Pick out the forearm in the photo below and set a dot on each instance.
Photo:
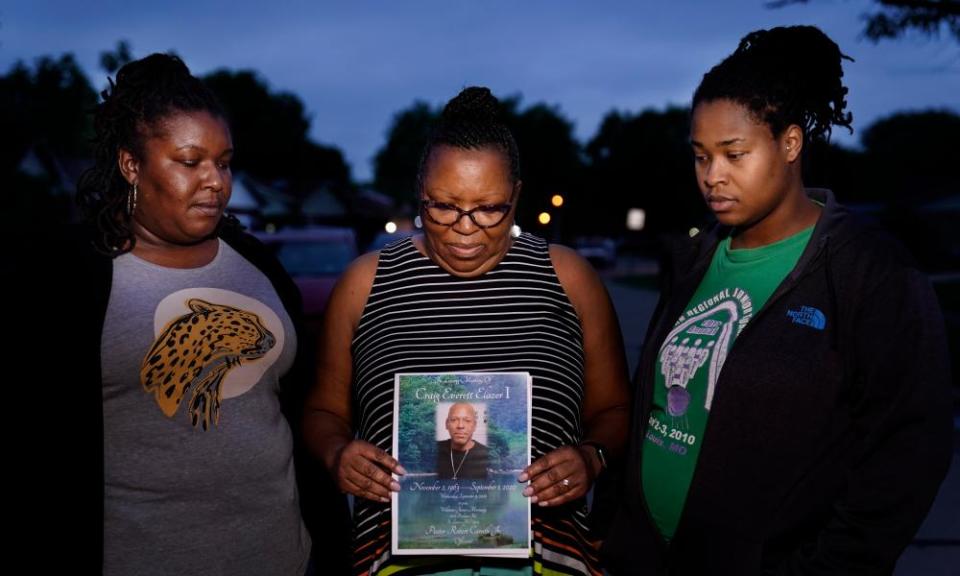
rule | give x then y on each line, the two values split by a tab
326	434
609	429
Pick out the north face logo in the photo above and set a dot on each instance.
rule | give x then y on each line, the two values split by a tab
808	316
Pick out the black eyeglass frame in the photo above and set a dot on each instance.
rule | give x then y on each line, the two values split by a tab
504	209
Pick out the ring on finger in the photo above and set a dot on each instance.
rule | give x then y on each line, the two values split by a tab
565	483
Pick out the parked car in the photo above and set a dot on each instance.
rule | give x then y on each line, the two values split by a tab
384	238
598	250
315	257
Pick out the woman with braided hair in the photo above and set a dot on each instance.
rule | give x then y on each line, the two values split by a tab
472	294
792	414
183	350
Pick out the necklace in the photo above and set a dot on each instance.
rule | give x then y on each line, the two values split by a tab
456	469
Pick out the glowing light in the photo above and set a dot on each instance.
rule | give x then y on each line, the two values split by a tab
544	218
557	200
391	227
636	219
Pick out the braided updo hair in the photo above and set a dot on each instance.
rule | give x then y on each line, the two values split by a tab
784	76
146	92
472	120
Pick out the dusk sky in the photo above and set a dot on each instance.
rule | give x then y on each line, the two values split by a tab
355	64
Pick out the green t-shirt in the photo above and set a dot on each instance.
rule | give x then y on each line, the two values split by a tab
737	284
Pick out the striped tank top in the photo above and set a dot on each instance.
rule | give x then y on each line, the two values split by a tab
516	317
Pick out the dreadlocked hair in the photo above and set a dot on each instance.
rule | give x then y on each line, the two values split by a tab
472	121
145	92
784	76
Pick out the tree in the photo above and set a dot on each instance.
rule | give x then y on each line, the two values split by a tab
44	112
829	165
551	162
46	107
894	18
270	134
397	162
910	157
111	61
909	162
642	161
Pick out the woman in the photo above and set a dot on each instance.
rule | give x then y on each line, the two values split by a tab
515	303
793	415
185	343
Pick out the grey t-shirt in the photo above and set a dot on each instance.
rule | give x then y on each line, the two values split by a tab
198	461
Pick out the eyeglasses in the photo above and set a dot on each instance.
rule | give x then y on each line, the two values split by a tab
449	214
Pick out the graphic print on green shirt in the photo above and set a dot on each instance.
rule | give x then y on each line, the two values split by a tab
737	284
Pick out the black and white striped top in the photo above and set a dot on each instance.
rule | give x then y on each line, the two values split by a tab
516	317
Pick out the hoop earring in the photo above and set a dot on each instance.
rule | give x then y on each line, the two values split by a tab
132	199
515	231
418	222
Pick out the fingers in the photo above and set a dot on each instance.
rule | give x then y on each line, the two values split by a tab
374	454
557	478
372	460
364	471
366	488
542	465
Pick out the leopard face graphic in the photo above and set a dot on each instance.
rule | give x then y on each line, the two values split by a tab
196	351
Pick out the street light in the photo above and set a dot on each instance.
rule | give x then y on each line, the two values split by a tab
557	200
544	218
636	219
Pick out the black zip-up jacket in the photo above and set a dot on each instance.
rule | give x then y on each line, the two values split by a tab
830	430
62	419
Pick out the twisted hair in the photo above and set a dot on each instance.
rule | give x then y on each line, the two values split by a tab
472	120
784	76
145	92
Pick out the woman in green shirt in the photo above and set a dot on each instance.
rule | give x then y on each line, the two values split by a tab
793	414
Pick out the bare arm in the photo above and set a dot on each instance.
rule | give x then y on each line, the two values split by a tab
606	409
606	406
359	467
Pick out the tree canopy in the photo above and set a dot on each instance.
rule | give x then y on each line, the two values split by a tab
894	18
46	107
397	162
642	161
634	160
270	134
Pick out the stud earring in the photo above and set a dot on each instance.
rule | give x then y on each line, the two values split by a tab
515	231
418	222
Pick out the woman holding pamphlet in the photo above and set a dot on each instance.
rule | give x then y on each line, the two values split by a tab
472	295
